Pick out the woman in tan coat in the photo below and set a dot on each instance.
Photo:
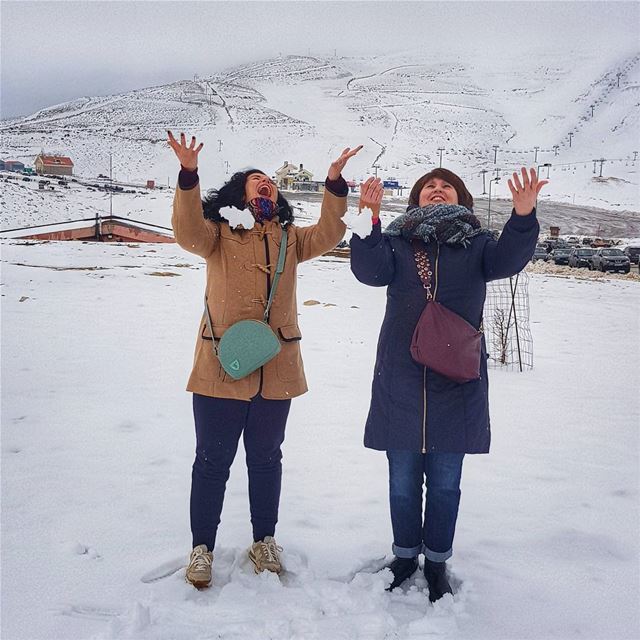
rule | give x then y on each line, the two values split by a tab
241	264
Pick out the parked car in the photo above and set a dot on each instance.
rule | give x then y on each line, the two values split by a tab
633	253
580	257
608	259
560	255
539	254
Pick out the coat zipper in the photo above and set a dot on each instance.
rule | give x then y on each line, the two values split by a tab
424	375
266	250
424	412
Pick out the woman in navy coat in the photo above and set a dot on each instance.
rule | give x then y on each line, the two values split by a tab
424	421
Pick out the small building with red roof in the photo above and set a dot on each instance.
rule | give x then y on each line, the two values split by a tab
54	165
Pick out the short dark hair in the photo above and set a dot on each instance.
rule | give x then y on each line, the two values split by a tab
464	197
231	194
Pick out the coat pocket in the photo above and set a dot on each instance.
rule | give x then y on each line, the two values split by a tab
290	333
289	360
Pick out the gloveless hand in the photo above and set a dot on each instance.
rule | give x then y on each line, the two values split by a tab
188	155
336	167
371	193
526	193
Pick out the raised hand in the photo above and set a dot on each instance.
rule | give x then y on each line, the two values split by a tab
526	193
188	155
336	167
371	192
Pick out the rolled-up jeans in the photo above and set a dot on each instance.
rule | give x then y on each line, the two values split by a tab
432	534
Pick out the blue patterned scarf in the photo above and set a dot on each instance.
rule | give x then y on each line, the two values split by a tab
263	209
450	224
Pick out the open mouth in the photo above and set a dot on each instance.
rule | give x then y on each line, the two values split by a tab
264	190
437	199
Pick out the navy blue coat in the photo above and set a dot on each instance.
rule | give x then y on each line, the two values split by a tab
413	407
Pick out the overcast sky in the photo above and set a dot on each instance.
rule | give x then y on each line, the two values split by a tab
52	52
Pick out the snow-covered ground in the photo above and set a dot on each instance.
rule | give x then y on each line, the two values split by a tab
97	447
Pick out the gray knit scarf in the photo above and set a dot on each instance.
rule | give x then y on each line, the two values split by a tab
450	224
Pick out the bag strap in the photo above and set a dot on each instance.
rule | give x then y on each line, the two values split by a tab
279	269
425	272
424	267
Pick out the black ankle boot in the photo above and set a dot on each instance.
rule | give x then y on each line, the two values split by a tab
402	568
436	575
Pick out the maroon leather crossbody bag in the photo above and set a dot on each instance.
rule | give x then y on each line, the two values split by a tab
442	340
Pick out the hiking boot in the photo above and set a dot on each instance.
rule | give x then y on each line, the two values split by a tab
436	575
402	568
264	555
199	570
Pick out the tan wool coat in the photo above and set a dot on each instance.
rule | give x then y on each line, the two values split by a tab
240	268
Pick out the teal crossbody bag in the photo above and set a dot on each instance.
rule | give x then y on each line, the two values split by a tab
247	345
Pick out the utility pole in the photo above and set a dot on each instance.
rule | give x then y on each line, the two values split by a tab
593	106
226	166
440	149
546	164
110	186
495	153
594	165
570	136
635	155
375	167
483	172
535	159
618	76
601	161
496	180
219	145
555	148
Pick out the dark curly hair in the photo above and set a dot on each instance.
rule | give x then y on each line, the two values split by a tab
464	197
231	194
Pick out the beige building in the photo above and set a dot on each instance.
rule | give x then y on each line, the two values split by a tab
54	165
289	174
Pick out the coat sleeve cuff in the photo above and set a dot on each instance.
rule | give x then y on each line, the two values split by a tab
523	223
187	179
338	187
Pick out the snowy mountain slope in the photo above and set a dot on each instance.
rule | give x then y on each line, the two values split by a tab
402	107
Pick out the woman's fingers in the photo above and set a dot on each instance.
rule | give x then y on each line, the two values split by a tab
352	153
540	185
371	191
525	178
511	187
516	182
364	186
193	142
173	143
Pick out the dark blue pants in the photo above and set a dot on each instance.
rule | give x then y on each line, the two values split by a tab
219	423
433	534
